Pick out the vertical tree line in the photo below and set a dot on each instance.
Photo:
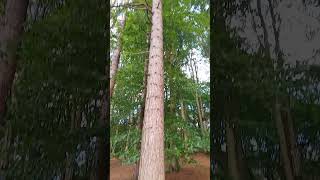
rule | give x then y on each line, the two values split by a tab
258	105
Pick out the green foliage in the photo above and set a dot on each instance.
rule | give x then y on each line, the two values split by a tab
181	36
125	145
60	73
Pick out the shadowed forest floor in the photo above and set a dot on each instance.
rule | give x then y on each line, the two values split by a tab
195	171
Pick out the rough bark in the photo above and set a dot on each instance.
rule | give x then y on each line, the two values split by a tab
152	146
11	29
116	58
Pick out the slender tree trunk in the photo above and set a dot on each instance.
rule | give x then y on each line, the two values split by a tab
200	107
183	116
152	146
242	163
254	25
144	92
294	153
265	32
116	58
69	169
114	145
75	124
232	152
11	29
276	37
194	77
280	124
290	150
283	143
4	148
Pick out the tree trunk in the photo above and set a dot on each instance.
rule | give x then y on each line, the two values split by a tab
284	150
265	31
285	133
144	92
69	167
116	58
152	146
4	148
292	144
10	31
242	163
195	79
183	116
102	152
291	149
75	124
11	28
232	152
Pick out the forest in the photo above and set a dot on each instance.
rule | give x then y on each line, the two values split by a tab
265	90
58	87
184	96
53	85
122	89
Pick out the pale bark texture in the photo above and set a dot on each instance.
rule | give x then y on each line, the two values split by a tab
116	58
11	29
152	146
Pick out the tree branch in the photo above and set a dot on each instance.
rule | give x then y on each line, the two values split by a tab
134	6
